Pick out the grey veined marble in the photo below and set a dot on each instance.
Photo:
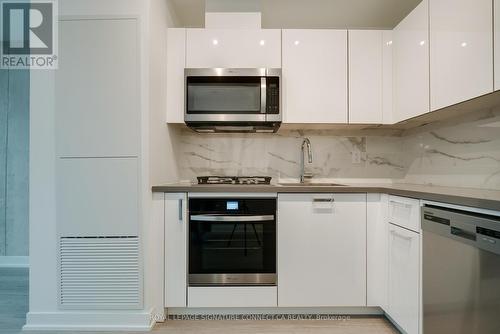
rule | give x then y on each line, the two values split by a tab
460	153
278	155
463	152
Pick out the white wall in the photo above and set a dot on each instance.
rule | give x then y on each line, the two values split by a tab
162	142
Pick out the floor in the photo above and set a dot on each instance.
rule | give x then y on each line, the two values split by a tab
14	305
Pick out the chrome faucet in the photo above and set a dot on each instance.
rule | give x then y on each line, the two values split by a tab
303	174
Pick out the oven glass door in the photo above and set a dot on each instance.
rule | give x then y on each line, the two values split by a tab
232	250
225	95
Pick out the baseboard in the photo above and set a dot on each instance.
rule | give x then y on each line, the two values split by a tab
90	321
354	311
14	261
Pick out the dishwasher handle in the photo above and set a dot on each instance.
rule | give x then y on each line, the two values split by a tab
462	233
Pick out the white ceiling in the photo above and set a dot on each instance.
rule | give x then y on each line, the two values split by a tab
382	14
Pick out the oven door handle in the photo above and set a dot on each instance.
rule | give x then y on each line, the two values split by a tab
229	218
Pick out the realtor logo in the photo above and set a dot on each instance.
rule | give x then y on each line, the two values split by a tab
29	39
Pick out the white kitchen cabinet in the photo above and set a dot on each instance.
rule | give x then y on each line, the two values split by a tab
461	50
377	247
496	42
176	62
314	76
411	64
97	197
175	249
233	48
365	76
321	250
98	88
232	296
405	212
387	77
404	278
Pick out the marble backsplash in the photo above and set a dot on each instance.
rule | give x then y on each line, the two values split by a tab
463	152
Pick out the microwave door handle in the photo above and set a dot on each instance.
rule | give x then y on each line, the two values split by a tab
263	95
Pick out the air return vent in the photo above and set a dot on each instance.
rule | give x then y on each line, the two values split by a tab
100	273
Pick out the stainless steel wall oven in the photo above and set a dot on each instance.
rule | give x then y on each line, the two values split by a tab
232	241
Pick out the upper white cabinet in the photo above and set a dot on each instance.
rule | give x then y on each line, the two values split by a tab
461	50
236	48
365	76
176	61
387	77
97	88
411	64
322	250
314	76
175	250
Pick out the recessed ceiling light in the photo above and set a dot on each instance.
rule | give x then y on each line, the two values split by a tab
262	42
422	43
389	43
296	42
215	42
464	44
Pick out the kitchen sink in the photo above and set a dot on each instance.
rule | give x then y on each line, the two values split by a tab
312	184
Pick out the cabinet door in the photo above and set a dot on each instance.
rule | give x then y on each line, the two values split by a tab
175	250
243	48
461	37
315	76
97	88
411	64
176	61
365	76
376	244
496	42
404	278
321	250
97	197
387	77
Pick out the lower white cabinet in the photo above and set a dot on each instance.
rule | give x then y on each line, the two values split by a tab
376	250
321	250
232	296
175	249
404	278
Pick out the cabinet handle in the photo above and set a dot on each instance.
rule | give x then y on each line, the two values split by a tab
323	200
180	210
393	232
406	205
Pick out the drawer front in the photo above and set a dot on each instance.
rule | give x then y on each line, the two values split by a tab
405	212
237	296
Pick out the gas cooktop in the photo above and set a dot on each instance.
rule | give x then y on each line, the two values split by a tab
240	180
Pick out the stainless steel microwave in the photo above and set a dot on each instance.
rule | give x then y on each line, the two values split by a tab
233	99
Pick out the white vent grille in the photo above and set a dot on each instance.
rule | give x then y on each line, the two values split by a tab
99	272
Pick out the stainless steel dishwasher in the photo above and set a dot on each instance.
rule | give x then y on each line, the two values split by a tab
461	272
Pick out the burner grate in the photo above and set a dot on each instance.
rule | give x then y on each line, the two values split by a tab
240	180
